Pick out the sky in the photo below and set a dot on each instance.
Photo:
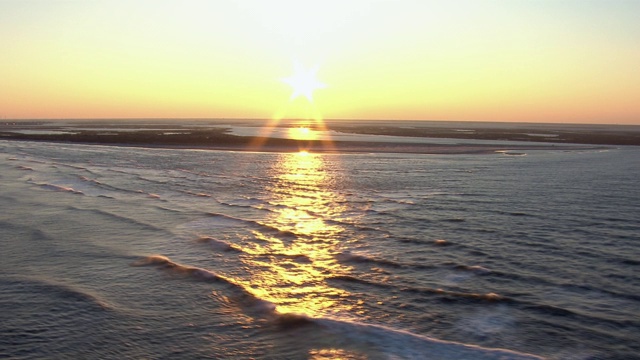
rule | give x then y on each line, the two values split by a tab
570	61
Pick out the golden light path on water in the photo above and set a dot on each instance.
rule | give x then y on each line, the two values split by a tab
305	249
303	252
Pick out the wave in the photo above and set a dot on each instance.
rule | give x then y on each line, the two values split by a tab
451	296
61	188
219	244
249	203
357	280
166	263
197	194
514	213
352	257
378	341
631	262
104	186
348	256
227	220
448	296
596	325
511	153
592	289
120	218
436	242
242	296
299	258
443	295
402	344
76	167
212	223
96	187
84	178
62	291
537	280
477	269
371	339
80	185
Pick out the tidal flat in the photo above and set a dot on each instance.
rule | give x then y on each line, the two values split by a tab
427	137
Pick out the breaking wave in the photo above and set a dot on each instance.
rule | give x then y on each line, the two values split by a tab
61	188
371	339
394	343
164	262
242	296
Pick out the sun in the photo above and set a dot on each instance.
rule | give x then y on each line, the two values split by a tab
304	82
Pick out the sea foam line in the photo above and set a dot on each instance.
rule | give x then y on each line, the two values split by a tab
407	345
393	343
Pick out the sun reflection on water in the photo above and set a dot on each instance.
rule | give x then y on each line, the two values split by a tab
301	254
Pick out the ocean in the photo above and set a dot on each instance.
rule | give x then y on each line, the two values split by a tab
148	253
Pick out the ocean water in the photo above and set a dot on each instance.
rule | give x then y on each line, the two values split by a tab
116	252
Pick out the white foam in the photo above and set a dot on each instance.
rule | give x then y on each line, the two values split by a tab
488	322
399	344
60	188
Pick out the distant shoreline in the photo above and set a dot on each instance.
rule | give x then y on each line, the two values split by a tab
214	135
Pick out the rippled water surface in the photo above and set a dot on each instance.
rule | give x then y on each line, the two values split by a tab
112	252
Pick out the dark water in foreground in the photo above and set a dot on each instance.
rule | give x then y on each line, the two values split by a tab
114	252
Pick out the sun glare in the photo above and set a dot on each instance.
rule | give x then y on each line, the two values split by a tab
303	82
312	132
302	133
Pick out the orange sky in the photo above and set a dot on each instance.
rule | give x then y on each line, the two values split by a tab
517	60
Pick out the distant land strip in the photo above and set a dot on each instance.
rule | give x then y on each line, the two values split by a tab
217	136
551	134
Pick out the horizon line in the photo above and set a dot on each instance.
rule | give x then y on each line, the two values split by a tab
3	120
